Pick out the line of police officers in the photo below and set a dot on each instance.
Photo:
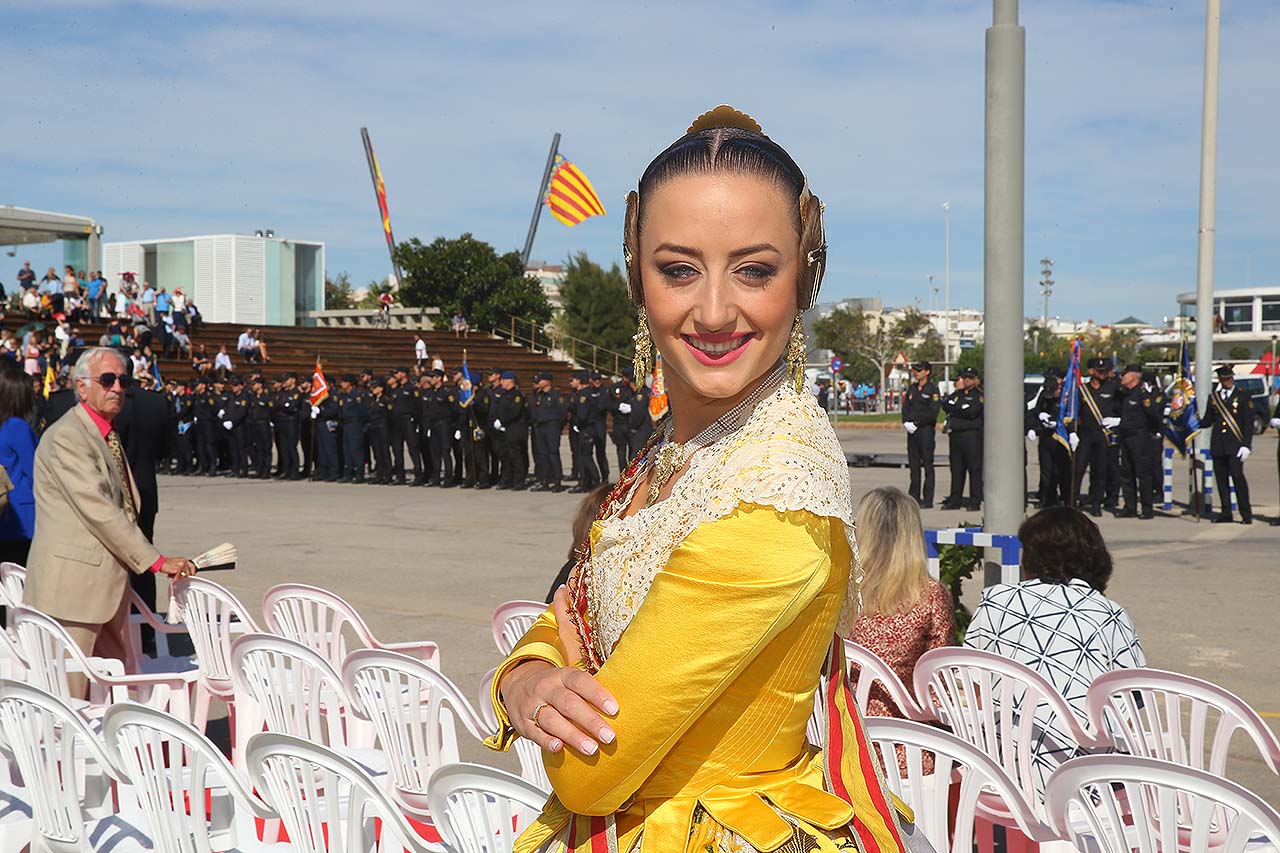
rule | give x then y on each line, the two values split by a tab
454	434
1117	438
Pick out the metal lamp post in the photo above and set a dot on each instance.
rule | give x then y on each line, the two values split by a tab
946	334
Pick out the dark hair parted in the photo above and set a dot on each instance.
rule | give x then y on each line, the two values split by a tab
740	151
17	396
1061	544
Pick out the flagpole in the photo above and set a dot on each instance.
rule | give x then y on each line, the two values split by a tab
537	205
377	197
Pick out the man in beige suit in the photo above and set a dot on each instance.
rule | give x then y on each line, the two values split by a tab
87	539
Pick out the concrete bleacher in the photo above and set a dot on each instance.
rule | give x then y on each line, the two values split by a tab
350	350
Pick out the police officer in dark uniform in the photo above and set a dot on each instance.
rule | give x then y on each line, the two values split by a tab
1055	459
233	407
306	429
511	422
465	427
261	408
287	414
1094	432
1160	404
599	423
482	435
492	441
639	422
184	428
580	446
1228	417
203	411
548	416
437	429
964	423
354	417
401	429
325	424
621	395
379	405
920	407
1138	420
1113	453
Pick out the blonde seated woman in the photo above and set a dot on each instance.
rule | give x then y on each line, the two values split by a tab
671	682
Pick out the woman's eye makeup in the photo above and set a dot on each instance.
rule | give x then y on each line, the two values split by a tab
757	272
678	271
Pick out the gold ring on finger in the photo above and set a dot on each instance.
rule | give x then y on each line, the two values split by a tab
533	718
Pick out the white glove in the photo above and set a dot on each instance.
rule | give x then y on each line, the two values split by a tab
1031	436
1045	419
226	424
315	412
1074	441
1275	423
1243	453
575	429
1111	423
499	427
909	427
457	435
625	408
1169	409
222	413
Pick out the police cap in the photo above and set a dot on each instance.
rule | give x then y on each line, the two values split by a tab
235	379
581	375
1098	363
1225	370
347	377
969	373
438	372
508	374
1131	368
922	365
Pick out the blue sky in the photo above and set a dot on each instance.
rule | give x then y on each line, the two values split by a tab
174	118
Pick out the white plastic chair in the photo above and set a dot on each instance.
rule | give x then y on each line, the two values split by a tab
12	664
51	655
320	620
512	620
873	670
1146	711
480	809
292	690
213	617
164	660
412	707
929	793
528	753
1132	804
328	804
173	768
13	581
67	774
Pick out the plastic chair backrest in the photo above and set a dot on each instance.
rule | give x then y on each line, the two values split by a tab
315	617
325	801
1176	718
528	753
13	579
50	743
171	767
999	705
873	670
480	809
211	613
930	793
511	621
12	663
49	650
412	707
293	689
1132	804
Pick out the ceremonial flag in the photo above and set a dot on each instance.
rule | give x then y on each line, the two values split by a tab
1183	422
319	388
50	381
466	388
658	390
570	195
1069	402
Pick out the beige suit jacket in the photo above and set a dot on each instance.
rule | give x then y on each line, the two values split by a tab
84	545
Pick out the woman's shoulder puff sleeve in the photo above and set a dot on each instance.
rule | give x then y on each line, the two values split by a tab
727	591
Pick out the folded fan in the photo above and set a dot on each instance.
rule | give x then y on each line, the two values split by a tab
215	559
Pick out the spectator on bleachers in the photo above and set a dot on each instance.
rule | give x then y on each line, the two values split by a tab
163	303
31	303
247	346
222	365
147	302
419	350
262	346
905	613
26	276
194	318
96	287
179	301
31	354
1058	622
200	362
459	325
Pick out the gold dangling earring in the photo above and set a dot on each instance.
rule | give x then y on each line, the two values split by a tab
796	352
642	363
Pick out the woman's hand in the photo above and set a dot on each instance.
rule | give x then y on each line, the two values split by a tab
568	703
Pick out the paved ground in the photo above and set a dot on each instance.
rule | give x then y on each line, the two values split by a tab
433	564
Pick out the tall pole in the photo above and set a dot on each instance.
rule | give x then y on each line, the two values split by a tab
1208	190
537	204
1003	488
380	196
946	314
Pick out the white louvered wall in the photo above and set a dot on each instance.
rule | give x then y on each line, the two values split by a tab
250	280
222	307
205	277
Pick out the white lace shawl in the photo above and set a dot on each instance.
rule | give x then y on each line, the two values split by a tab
786	456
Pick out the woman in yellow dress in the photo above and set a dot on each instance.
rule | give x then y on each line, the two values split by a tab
671	682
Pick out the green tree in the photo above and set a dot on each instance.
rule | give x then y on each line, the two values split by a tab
466	275
597	307
372	291
338	295
1239	352
866	344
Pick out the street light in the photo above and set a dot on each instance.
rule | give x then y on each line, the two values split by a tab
946	334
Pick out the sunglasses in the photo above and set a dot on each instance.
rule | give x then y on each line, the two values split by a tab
106	380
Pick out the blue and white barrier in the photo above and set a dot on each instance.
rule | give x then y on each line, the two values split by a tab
1010	549
1209	481
1168	479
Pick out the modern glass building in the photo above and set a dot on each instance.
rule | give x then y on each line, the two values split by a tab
1244	319
232	278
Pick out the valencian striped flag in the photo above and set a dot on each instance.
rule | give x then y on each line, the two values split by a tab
570	195
1069	402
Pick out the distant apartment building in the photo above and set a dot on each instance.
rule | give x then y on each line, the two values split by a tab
551	277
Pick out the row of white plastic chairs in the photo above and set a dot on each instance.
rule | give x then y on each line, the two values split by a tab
1000	706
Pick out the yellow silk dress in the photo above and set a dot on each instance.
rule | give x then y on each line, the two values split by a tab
714	615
